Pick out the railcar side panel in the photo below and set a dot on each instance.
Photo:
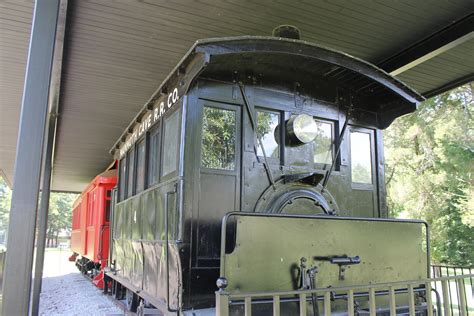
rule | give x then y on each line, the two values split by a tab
147	229
76	227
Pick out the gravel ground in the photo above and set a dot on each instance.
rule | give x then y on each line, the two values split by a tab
66	292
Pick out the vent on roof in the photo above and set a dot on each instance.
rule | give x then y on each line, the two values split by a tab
286	31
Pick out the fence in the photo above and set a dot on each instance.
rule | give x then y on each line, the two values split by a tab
440	300
438	271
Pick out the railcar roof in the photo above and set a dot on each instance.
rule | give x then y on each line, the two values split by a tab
274	57
106	177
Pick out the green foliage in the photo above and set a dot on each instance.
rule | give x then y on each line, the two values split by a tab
265	121
60	215
361	174
5	198
218	139
60	211
267	130
429	168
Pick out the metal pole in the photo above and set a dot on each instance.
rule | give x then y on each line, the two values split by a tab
49	152
29	152
43	218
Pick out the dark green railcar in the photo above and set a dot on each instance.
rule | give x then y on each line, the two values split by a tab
269	126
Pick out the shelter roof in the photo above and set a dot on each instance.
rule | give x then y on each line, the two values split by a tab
118	52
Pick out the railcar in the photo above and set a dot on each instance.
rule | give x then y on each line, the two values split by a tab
258	163
90	234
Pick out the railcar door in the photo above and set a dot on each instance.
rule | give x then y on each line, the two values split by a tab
219	176
363	172
90	228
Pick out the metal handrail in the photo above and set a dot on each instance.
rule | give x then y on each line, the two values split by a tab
225	299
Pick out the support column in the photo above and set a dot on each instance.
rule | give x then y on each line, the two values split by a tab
49	155
27	175
43	216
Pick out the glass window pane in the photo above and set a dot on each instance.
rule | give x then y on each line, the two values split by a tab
361	165
170	143
322	146
153	156
123	177
141	166
218	139
131	161
267	122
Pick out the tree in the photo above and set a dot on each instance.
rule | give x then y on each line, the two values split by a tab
429	158
219	138
60	216
5	198
59	219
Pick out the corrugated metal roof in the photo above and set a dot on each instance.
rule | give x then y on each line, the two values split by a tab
117	52
15	25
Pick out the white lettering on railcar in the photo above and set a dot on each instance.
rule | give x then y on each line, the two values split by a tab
149	119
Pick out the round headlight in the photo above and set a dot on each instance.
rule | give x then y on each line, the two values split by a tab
302	128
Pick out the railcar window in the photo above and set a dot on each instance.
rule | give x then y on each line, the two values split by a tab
140	166
323	143
361	166
107	210
123	178
218	139
131	162
267	122
90	207
170	145
154	156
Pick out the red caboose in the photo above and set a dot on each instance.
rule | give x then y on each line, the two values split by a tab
91	226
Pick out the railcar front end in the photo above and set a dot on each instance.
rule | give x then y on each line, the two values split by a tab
259	163
91	226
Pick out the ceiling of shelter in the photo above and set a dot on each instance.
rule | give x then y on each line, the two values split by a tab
117	52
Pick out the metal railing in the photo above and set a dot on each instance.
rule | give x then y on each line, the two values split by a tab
438	271
439	301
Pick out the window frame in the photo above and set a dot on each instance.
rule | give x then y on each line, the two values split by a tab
122	187
135	174
163	177
334	138
131	191
371	133
154	130
281	127
226	107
